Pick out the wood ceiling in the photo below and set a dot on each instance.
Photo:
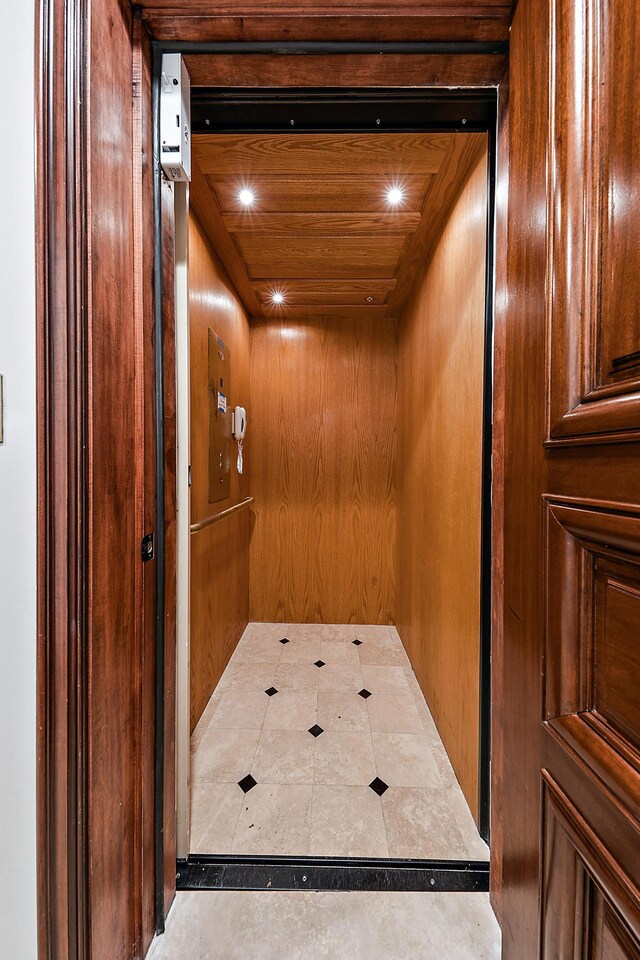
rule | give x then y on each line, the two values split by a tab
321	230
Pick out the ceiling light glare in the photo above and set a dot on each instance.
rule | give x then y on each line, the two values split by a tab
247	197
395	196
277	297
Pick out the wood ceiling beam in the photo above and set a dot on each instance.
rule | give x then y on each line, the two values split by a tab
321	224
462	156
208	213
317	154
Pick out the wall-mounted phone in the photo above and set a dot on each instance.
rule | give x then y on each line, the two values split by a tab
239	428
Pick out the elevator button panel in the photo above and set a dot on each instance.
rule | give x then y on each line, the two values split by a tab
219	419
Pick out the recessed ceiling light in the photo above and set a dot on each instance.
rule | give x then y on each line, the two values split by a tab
277	297
247	197
395	195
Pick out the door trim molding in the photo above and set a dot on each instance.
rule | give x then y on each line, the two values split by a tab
62	312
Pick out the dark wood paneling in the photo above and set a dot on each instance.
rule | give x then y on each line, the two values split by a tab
113	534
524	478
220	557
590	907
572	528
324	406
437	25
594	378
146	504
440	381
62	310
366	70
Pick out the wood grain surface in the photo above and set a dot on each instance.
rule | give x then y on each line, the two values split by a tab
356	154
440	401
219	554
378	23
321	213
324	406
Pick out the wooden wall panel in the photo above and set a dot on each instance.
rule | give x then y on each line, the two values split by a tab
213	303
114	531
440	395
220	552
323	434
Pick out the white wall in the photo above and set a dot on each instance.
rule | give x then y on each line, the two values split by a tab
18	494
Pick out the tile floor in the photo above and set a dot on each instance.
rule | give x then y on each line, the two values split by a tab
282	925
318	741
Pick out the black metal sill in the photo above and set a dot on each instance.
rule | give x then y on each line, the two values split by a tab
228	872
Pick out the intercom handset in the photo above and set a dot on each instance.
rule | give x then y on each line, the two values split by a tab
239	428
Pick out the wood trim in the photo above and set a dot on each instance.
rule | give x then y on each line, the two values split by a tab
227	512
345	70
62	320
398	25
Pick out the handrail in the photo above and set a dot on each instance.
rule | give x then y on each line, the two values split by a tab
234	508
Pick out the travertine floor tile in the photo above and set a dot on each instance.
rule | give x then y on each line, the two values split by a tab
354	688
348	819
215	808
342	711
284	756
274	820
291	710
420	823
223	755
389	713
340	678
385	679
405	760
240	710
286	925
344	757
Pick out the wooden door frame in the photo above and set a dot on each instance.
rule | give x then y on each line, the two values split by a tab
64	373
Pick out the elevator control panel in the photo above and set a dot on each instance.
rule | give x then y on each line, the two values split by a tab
219	419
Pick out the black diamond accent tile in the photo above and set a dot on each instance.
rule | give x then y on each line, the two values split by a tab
378	786
285	640
364	693
271	691
315	730
319	663
357	642
247	783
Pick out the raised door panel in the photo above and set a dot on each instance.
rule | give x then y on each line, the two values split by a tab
592	649
590	908
594	232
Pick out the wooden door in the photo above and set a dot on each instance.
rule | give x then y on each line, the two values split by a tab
572	510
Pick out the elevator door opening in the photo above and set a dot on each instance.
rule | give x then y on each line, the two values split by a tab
337	698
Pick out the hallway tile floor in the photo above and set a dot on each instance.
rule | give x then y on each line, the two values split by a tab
318	741
303	925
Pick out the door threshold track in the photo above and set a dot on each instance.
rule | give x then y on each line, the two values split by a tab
229	872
